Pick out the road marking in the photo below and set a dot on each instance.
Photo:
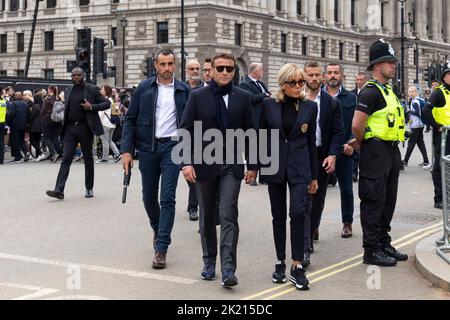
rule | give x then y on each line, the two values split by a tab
40	292
398	243
122	272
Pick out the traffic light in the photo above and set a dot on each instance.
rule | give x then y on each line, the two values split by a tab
70	65
83	56
149	67
99	56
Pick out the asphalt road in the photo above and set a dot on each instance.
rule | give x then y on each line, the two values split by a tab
101	249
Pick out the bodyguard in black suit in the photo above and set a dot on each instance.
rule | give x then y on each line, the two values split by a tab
224	107
17	118
294	118
329	140
81	123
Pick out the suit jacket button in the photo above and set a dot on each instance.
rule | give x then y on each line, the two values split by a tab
285	141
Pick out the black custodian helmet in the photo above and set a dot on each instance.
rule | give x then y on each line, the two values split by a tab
445	69
381	51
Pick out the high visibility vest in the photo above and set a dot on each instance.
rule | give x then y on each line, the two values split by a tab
442	115
387	124
2	110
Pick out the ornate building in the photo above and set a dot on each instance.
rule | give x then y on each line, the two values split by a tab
269	31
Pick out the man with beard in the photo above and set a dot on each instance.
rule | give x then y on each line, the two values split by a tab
329	140
379	127
344	166
207	71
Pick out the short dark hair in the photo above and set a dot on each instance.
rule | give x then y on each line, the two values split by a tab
164	52
312	64
331	64
207	60
223	56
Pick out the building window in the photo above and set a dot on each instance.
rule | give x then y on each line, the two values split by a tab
51	4
341	51
49	41
3	73
48	73
283	42
25	5
84	2
305	46
3	43
13	5
238	34
323	54
336	10
84	37
114	36
318	9
299	7
163	32
278	5
20	73
3	5
358	49
352	12
20	42
383	8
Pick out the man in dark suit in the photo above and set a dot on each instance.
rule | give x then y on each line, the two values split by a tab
17	119
225	107
81	123
360	82
253	84
329	140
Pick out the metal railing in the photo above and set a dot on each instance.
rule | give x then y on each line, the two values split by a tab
445	170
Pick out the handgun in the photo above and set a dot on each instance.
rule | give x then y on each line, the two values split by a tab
126	183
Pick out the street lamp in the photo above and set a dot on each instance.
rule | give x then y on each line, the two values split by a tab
403	45
123	24
183	57
417	39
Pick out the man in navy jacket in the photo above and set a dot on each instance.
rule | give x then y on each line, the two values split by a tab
17	118
151	123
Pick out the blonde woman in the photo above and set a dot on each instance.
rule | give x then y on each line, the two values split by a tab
294	118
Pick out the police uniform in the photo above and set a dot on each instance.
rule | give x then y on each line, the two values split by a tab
380	162
2	128
437	114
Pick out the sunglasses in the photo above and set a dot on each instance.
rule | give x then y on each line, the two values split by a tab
192	69
293	83
229	69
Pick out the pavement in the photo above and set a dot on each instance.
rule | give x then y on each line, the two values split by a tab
102	249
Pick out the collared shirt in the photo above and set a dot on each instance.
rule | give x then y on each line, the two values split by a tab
318	131
166	111
226	98
258	84
337	93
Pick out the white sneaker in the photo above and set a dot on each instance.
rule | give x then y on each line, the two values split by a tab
41	157
427	167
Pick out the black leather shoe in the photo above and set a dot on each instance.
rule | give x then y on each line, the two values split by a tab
89	194
306	259
55	194
391	252
438	205
379	258
193	214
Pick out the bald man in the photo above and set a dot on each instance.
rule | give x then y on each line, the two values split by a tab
193	75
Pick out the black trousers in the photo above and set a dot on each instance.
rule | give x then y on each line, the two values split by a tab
437	175
85	137
317	202
18	143
35	142
2	142
298	208
378	184
416	138
193	202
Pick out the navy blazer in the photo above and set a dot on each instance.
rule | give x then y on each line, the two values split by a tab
257	98
139	127
201	107
297	152
348	104
17	115
99	103
331	125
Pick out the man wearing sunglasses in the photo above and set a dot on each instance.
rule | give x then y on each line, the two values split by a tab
220	106
193	75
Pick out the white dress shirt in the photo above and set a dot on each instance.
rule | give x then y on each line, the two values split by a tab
166	111
258	84
318	131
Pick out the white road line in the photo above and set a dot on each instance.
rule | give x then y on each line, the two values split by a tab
123	272
40	292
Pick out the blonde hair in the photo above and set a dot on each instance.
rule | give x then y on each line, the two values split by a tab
29	94
287	73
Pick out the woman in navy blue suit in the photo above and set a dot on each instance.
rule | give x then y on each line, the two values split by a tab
294	118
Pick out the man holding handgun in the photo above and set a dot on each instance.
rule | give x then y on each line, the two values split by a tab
150	124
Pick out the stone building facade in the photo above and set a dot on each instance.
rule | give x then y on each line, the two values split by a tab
273	32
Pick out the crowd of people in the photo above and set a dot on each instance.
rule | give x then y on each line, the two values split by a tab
325	131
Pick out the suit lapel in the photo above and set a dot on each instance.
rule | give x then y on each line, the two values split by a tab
297	121
278	118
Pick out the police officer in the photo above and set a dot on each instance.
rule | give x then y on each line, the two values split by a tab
379	126
437	114
2	127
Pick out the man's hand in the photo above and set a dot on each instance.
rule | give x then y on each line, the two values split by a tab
127	161
189	174
354	144
348	150
250	176
329	164
86	105
313	187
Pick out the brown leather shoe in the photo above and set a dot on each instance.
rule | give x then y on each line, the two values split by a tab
347	231
159	262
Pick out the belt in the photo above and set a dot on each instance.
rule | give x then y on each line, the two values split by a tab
163	140
77	124
389	143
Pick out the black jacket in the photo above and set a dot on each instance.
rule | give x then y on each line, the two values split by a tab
200	107
99	103
34	117
297	152
17	114
257	98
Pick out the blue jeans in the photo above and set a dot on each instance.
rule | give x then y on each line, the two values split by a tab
344	169
155	166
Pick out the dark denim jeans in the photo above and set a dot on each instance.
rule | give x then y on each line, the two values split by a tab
155	166
2	142
344	169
